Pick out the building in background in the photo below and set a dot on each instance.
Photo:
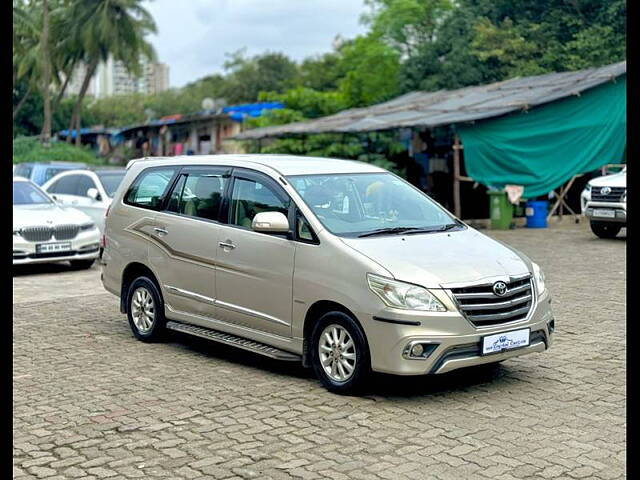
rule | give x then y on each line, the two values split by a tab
112	78
159	78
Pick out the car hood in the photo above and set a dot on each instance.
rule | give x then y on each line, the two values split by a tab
615	180
436	260
46	214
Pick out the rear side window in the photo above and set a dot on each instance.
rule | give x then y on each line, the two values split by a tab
23	171
52	172
148	190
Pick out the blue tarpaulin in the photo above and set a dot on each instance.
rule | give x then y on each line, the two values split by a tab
240	112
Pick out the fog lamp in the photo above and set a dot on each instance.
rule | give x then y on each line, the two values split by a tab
417	350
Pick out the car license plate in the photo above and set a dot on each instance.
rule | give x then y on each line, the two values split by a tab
53	247
601	212
505	341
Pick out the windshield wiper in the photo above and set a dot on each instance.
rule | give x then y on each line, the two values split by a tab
388	230
443	228
410	230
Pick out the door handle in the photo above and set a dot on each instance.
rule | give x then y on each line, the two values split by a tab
160	231
227	244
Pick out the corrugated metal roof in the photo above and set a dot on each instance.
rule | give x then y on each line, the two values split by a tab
444	107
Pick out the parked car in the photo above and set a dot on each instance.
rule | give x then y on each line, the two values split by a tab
604	203
39	173
45	232
338	264
90	191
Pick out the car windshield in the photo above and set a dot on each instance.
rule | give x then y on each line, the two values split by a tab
111	181
26	194
365	204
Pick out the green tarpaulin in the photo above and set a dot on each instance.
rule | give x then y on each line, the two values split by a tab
544	147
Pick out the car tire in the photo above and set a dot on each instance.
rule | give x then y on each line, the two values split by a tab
342	366
605	230
145	310
81	264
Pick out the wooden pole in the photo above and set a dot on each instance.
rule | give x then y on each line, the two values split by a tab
456	175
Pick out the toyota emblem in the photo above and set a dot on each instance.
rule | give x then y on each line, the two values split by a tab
605	190
499	288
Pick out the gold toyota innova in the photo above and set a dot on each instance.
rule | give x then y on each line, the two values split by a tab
338	264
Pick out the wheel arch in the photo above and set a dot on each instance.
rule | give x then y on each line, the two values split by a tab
129	274
317	310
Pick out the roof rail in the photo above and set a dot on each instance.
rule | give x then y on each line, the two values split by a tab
136	160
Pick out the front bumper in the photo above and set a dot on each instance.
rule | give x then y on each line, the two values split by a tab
619	208
458	342
85	246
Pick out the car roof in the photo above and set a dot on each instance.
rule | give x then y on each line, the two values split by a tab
109	170
284	164
55	164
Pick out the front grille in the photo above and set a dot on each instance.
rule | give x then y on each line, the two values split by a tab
66	232
484	308
612	194
36	234
44	233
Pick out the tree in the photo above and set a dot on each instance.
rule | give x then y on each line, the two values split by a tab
103	28
27	57
247	77
406	24
373	74
46	75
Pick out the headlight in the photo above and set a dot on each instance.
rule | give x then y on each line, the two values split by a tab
17	232
623	199
404	295
587	187
87	226
538	275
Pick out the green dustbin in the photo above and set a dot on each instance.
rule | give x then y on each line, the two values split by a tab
500	210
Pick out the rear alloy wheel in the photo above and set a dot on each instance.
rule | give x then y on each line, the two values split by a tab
145	310
339	353
605	230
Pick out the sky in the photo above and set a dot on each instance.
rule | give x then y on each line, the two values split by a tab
194	35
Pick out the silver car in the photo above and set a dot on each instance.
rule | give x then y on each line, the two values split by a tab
338	264
45	232
89	191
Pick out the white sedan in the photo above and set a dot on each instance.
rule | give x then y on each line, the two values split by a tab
90	191
45	232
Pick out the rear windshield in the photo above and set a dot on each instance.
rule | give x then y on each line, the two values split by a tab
23	171
111	181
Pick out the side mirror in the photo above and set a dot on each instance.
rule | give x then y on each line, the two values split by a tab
93	194
270	222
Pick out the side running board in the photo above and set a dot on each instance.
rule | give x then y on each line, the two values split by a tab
235	341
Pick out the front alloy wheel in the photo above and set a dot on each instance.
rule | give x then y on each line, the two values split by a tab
339	353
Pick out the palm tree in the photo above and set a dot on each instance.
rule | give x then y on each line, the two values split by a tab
103	28
26	49
46	75
40	53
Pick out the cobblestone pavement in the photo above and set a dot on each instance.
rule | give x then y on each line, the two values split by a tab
92	402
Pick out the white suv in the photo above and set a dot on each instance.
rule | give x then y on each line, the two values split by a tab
604	202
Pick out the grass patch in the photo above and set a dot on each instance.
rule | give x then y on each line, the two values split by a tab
29	149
